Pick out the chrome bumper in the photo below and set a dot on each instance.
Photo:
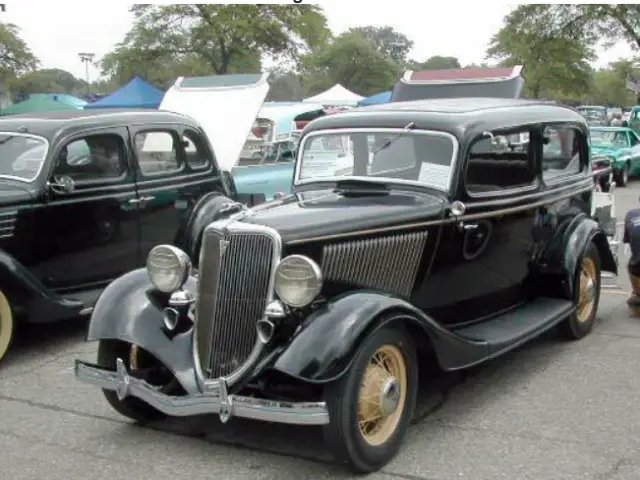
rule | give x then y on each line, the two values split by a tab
214	400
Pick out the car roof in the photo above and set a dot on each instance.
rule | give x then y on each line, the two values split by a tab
51	124
456	115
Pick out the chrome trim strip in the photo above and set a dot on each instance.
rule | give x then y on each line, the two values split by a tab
296	413
382	180
427	223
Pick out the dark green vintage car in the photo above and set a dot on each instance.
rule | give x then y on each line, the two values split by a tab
622	146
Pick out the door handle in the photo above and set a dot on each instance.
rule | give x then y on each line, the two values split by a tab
470	226
133	201
146	199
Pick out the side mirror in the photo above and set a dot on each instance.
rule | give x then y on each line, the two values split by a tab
62	184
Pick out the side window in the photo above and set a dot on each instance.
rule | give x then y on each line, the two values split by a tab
562	151
94	157
503	162
633	140
196	152
157	151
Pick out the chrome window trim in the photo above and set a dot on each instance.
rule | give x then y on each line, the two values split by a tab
233	225
384	180
47	145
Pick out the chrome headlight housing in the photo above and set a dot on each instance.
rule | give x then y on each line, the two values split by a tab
298	280
168	268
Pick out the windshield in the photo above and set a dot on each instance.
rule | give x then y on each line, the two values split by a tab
23	155
608	138
399	155
592	113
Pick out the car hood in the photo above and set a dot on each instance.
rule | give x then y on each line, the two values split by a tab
225	106
324	214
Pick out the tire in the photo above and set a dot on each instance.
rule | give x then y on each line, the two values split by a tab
586	296
623	177
365	452
7	326
108	352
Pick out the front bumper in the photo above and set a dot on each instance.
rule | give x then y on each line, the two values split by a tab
215	400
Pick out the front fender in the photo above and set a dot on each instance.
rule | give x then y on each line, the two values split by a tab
578	237
130	310
211	207
324	348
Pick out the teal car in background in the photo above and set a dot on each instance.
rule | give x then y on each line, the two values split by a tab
622	146
267	159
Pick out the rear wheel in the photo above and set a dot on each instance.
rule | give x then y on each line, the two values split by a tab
7	326
108	352
371	406
587	296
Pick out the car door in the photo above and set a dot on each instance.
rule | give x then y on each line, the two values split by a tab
88	235
174	167
634	152
481	265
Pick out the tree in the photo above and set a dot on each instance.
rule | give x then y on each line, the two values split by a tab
352	61
556	65
206	38
51	80
285	86
608	22
437	62
386	41
15	56
609	85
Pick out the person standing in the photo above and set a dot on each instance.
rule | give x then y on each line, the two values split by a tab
632	238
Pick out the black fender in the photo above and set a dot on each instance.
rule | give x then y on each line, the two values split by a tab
324	348
32	299
130	309
209	208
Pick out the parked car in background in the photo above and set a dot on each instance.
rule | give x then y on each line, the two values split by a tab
425	238
594	114
622	146
634	119
266	162
85	196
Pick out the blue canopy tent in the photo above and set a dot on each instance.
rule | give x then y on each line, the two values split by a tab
135	94
382	97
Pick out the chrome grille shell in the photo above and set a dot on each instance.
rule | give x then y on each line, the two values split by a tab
235	284
388	263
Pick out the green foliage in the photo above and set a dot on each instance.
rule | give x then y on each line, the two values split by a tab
437	62
387	42
555	64
352	61
15	56
47	81
167	41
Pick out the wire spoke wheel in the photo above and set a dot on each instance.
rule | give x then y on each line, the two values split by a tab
588	284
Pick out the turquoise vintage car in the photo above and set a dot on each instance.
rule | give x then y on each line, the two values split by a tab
267	159
622	146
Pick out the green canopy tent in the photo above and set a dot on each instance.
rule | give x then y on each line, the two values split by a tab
36	104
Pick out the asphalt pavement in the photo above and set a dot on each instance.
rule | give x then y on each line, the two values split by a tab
551	410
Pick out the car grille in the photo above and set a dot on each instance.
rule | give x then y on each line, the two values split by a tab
233	291
7	223
387	263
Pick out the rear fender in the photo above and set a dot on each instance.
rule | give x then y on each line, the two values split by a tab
211	207
325	346
27	294
130	309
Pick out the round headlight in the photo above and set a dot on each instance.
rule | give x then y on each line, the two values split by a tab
298	280
168	268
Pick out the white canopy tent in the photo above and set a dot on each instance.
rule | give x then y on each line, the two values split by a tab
336	95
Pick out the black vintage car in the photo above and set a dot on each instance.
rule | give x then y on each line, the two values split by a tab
418	232
84	197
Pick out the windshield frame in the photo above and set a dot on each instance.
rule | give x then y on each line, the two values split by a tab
47	146
381	180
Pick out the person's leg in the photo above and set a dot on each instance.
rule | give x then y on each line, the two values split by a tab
634	299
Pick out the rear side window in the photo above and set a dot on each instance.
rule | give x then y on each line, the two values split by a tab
563	152
157	151
501	163
196	152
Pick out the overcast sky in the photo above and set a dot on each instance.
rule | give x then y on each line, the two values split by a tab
56	32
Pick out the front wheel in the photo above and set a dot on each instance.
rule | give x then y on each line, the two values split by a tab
623	177
587	296
7	326
371	406
108	352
